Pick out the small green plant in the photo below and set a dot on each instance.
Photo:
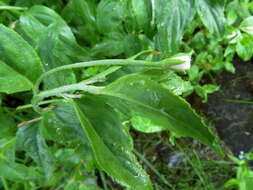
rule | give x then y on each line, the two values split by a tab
244	173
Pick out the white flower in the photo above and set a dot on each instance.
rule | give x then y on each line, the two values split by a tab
183	66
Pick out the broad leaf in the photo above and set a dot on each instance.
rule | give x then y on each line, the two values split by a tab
30	139
211	13
86	10
18	69
172	17
55	43
63	127
247	25
142	14
110	143
154	108
244	47
17	172
11	81
11	170
7	148
82	14
7	125
110	15
107	47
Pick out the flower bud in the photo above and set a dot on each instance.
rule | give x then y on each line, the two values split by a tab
185	65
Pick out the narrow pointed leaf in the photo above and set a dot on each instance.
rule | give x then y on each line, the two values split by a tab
154	108
111	144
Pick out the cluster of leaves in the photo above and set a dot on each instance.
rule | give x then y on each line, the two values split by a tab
215	53
244	173
83	127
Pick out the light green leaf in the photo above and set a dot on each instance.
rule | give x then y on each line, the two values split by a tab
111	144
247	25
211	13
172	17
244	47
30	139
159	109
206	89
21	65
17	172
11	81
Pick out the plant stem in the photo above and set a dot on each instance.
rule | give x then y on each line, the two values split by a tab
239	101
57	91
40	103
108	62
4	183
6	7
102	175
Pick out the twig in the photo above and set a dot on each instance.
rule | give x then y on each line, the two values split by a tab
29	122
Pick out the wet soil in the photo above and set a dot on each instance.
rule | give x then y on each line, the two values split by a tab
233	121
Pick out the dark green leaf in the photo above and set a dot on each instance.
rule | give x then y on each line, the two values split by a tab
211	13
47	31
172	17
7	125
111	143
112	45
154	108
19	69
63	127
110	15
142	14
30	139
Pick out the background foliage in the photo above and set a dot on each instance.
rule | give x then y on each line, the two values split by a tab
82	133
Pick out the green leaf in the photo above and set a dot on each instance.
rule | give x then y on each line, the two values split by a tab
55	43
30	139
7	148
206	89
110	15
142	14
111	144
16	172
154	108
63	127
172	17
11	81
86	10
7	125
211	12
247	25
106	48
244	47
19	69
